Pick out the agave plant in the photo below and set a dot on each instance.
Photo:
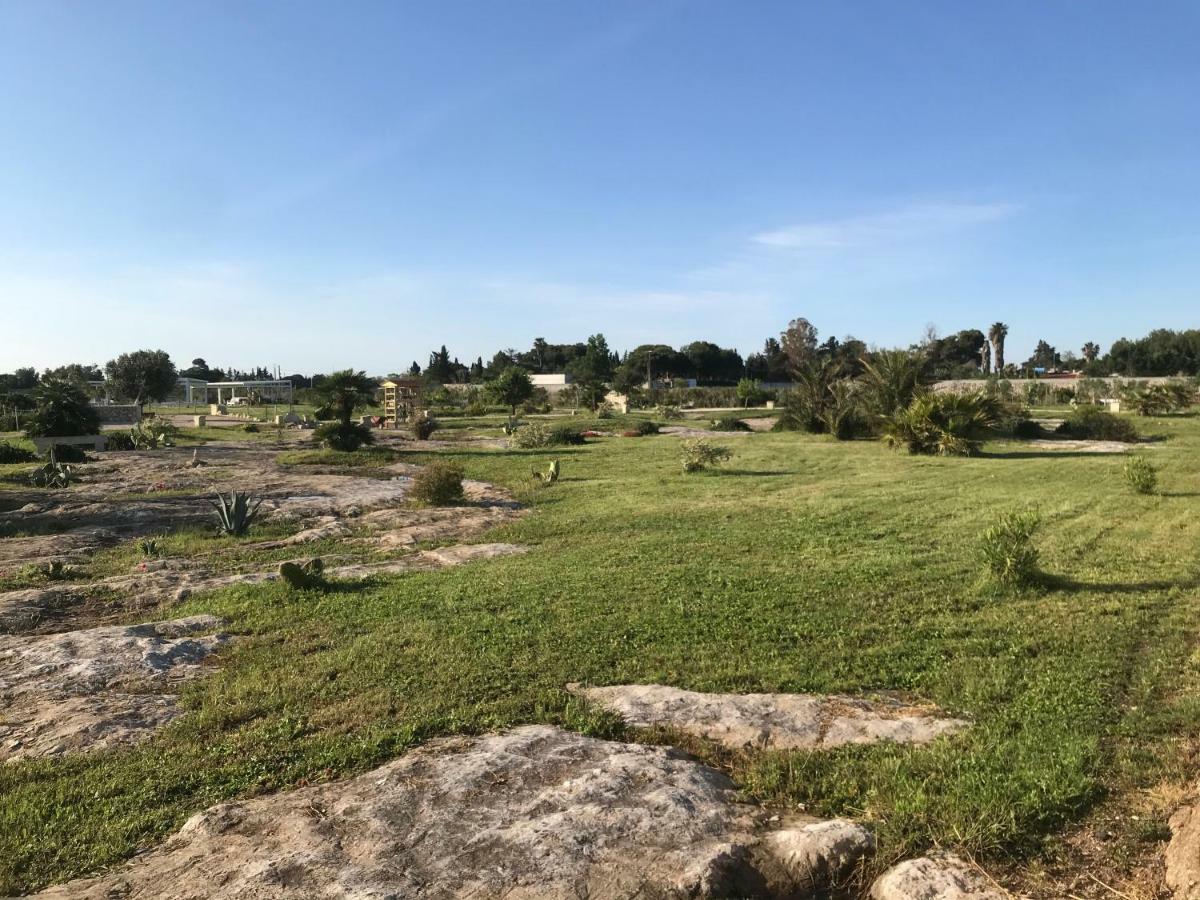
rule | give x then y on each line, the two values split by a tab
236	513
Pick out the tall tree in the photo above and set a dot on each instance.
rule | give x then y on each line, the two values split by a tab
799	343
142	376
510	388
1090	351
592	372
996	334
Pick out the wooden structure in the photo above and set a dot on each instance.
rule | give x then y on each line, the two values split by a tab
402	400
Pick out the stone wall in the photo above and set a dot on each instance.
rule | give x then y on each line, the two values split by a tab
119	414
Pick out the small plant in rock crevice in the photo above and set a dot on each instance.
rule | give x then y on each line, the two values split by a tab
1007	550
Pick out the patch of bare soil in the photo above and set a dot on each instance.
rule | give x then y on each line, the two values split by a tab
96	687
533	813
1081	446
772	721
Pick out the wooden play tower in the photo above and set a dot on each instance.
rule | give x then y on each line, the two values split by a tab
402	400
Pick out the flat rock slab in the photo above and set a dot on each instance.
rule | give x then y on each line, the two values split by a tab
1183	853
533	814
97	687
772	721
1081	446
936	877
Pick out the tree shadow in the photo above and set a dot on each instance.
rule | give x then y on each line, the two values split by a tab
759	473
1047	454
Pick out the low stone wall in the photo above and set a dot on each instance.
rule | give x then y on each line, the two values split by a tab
124	414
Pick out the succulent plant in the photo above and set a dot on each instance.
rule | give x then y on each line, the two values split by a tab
236	513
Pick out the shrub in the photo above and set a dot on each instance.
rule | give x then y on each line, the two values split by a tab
1027	429
1090	423
250	428
1141	474
120	440
646	427
475	409
535	435
68	453
945	424
729	422
344	436
842	415
565	436
697	455
12	454
424	428
236	513
62	410
890	380
308	574
669	412
1007	550
438	484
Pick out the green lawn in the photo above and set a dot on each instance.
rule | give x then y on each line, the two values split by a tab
806	565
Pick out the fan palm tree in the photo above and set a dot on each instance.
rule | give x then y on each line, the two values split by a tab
1090	351
996	335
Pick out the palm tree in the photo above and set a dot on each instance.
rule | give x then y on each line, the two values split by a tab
1090	351
996	334
890	380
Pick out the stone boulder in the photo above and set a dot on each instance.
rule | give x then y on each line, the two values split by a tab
536	813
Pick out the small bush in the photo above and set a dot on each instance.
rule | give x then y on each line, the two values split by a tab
1026	429
250	428
120	440
669	412
13	454
1007	549
1141	475
1090	423
438	484
646	427
566	436
535	435
697	455
475	408
729	423
424	427
343	436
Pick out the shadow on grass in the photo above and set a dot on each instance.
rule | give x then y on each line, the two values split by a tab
759	473
1179	493
1063	583
1048	454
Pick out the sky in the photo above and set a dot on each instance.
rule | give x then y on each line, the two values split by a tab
327	185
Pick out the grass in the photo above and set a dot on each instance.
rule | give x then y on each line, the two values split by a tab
805	565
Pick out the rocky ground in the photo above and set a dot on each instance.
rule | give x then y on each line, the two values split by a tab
95	660
76	676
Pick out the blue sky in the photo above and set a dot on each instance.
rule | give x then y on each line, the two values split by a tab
320	185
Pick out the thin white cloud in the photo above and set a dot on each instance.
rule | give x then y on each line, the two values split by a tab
880	229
